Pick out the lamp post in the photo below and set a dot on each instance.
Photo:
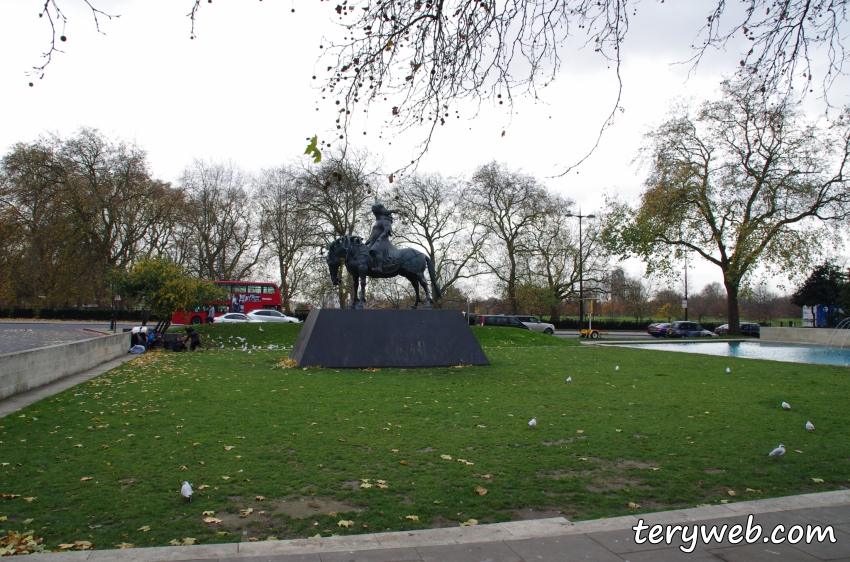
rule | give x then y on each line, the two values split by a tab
580	268
685	302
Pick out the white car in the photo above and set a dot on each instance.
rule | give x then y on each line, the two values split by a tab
271	316
535	324
231	317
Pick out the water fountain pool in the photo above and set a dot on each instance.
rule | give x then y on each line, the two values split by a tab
774	351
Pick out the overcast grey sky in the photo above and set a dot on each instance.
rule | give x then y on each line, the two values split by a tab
242	90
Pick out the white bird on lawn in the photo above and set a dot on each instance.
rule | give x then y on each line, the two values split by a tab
777	452
569	379
810	426
728	370
533	422
261	329
786	406
186	491
617	368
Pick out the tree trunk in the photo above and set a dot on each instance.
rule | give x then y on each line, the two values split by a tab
732	315
554	314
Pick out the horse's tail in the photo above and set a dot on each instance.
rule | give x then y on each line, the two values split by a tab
433	275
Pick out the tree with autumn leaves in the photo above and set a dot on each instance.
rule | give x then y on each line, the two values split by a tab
745	182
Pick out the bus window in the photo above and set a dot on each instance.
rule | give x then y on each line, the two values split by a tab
269	289
238	289
255	289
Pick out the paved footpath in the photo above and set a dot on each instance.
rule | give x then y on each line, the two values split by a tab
542	540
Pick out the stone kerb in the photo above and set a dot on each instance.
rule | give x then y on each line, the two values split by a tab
25	370
817	336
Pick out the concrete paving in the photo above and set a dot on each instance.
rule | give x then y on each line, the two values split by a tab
546	540
26	335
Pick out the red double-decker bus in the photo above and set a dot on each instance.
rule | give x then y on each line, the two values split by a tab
245	296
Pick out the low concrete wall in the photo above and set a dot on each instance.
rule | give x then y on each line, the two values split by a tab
817	336
25	370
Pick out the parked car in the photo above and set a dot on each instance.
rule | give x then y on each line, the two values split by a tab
506	321
231	317
681	329
658	329
271	316
533	323
747	329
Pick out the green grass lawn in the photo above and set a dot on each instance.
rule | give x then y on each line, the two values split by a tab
104	461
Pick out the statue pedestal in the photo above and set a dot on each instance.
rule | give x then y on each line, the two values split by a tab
352	339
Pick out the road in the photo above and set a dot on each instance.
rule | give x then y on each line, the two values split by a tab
21	336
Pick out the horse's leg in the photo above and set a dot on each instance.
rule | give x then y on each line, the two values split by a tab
353	303
362	286
424	283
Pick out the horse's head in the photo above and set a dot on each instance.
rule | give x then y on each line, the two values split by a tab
336	250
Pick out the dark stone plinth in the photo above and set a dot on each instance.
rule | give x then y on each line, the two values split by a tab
348	339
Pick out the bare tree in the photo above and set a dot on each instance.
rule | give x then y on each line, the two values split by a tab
222	226
708	302
289	228
434	218
506	205
638	296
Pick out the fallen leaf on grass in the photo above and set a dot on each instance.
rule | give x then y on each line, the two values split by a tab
221	533
29	500
259	498
85	478
634	505
365	485
66	546
27	521
579	431
798	451
394	450
212	520
82	545
403	463
203	487
383	486
412	517
225	477
481	491
208	513
817	480
582	458
144	529
124	545
246	512
487	476
655	468
78	446
446	457
344	523
10	496
731	493
230	447
470	523
189	541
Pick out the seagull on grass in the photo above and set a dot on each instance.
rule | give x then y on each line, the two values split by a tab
786	406
569	379
261	329
810	426
777	452
186	491
533	422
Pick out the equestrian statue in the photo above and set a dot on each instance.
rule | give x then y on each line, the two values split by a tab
378	258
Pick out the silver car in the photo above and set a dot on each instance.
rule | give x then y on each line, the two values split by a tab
231	317
535	324
271	316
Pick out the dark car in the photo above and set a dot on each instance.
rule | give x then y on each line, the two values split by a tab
658	329
747	329
505	321
683	329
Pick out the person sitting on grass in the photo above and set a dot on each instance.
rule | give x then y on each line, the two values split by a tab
192	339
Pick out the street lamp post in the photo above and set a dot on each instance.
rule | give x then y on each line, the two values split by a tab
580	268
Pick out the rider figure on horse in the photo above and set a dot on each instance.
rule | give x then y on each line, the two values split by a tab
379	240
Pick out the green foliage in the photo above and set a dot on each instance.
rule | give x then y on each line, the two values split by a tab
313	150
165	287
824	286
314	434
536	299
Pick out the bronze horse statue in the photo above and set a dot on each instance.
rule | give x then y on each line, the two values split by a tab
407	262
